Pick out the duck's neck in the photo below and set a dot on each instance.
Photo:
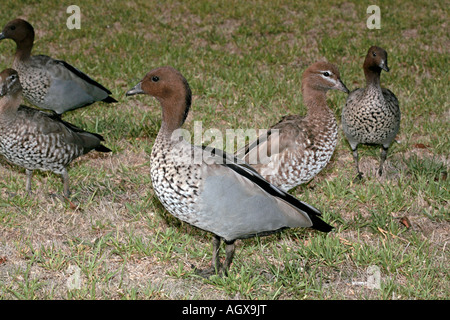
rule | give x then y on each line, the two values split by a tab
316	102
174	112
23	50
9	105
372	75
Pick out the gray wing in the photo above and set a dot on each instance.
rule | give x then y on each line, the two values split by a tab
69	87
244	204
279	138
46	124
392	102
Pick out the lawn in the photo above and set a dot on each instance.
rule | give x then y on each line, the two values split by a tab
244	61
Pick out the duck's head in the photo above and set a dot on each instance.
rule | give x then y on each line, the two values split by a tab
376	59
18	30
323	76
9	83
171	89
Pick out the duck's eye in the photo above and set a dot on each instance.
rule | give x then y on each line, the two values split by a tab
326	74
155	79
374	54
13	27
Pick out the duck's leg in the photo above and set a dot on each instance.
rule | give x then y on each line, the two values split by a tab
229	249
355	158
215	264
65	176
384	151
28	183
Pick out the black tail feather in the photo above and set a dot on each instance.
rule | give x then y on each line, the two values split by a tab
99	148
109	99
102	148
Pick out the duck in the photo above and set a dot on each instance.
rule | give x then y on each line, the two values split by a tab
294	150
371	115
209	188
48	83
37	140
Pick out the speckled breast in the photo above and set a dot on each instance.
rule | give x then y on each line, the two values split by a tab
35	83
371	122
175	180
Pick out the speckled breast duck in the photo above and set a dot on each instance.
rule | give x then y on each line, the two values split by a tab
48	83
213	192
34	139
304	144
372	114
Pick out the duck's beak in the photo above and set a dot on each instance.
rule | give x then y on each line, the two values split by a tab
135	90
341	86
2	36
384	66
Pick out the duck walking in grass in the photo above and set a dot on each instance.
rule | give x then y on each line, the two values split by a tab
48	83
215	192
371	115
304	144
36	140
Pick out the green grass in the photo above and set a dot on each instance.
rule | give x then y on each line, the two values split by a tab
244	61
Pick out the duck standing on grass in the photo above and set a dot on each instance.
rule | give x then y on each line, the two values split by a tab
305	144
37	140
371	115
48	83
218	194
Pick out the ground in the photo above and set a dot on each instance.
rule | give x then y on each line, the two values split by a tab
244	61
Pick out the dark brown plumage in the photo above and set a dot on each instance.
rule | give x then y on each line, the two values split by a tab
36	140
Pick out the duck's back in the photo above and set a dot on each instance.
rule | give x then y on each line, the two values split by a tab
56	85
34	140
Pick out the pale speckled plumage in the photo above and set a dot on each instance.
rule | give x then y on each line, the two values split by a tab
48	83
306	143
36	140
192	193
371	115
175	185
215	194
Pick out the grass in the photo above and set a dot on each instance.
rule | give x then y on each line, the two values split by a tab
244	62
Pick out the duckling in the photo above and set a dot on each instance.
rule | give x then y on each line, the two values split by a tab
219	193
372	114
37	140
48	83
304	144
